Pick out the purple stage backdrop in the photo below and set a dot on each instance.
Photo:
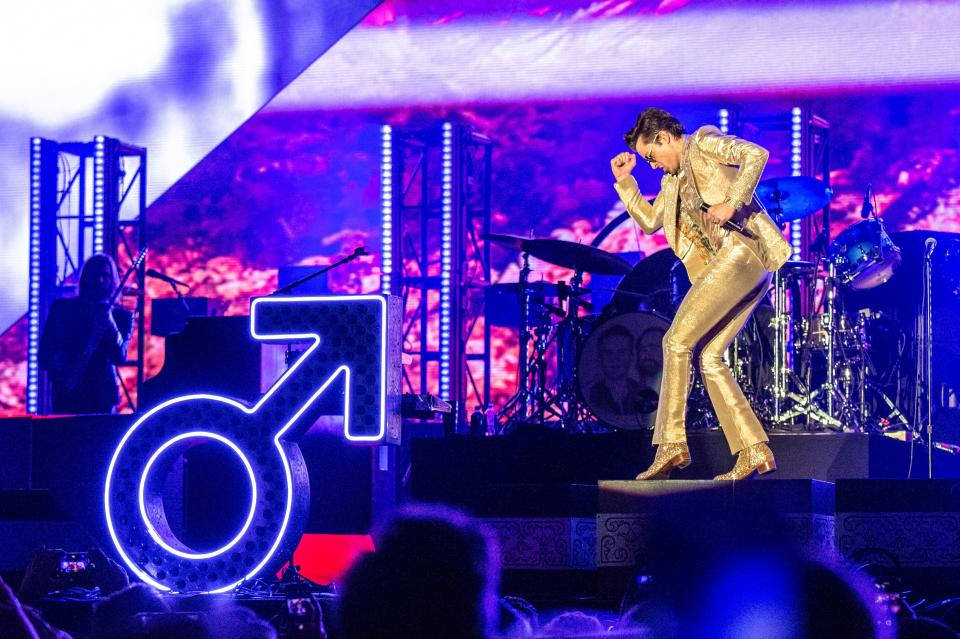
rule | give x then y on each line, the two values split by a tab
298	183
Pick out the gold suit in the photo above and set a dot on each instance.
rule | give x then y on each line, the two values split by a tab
729	272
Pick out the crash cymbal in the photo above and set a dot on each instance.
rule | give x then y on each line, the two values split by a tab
507	241
793	198
580	257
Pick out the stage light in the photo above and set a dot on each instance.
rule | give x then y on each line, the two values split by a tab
342	331
796	169
723	118
33	287
99	162
386	209
446	256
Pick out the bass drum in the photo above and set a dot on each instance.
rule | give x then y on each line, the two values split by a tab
619	368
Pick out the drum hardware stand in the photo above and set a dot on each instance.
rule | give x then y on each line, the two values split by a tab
565	404
783	375
530	398
867	370
829	389
925	346
521	399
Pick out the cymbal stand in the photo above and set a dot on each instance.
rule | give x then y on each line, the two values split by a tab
781	320
524	390
830	324
532	372
565	403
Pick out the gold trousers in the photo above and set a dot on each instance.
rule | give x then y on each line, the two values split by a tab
723	295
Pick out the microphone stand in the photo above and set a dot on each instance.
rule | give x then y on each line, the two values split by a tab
183	301
928	351
291	573
357	252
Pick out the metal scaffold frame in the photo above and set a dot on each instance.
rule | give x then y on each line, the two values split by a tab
77	195
436	205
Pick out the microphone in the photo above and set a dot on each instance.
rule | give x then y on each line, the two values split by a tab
929	245
359	251
166	278
730	225
867	208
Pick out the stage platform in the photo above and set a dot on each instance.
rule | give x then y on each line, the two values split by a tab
572	523
539	456
570	520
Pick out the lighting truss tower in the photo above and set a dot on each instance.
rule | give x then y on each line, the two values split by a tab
78	192
813	158
809	155
435	204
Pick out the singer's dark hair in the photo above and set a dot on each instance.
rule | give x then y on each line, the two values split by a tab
651	122
87	286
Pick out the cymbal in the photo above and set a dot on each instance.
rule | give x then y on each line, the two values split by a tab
793	198
580	257
507	241
799	265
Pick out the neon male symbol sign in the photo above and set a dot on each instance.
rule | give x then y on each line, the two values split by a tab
355	345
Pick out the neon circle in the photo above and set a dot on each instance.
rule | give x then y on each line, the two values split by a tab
151	529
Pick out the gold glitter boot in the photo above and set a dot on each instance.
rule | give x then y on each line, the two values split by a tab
668	457
755	459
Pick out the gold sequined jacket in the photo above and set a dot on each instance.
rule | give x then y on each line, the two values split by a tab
724	168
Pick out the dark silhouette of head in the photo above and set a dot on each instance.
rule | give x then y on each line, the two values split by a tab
116	616
572	623
746	575
98	278
435	573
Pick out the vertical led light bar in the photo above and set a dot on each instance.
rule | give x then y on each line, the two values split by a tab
446	256
386	209
723	119
33	303
796	168
99	164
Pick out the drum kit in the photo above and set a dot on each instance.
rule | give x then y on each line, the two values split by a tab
802	360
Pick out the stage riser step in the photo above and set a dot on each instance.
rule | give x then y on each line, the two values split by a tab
549	457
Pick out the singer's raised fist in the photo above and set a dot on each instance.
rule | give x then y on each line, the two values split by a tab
622	164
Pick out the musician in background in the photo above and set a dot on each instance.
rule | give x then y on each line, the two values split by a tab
707	188
83	339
